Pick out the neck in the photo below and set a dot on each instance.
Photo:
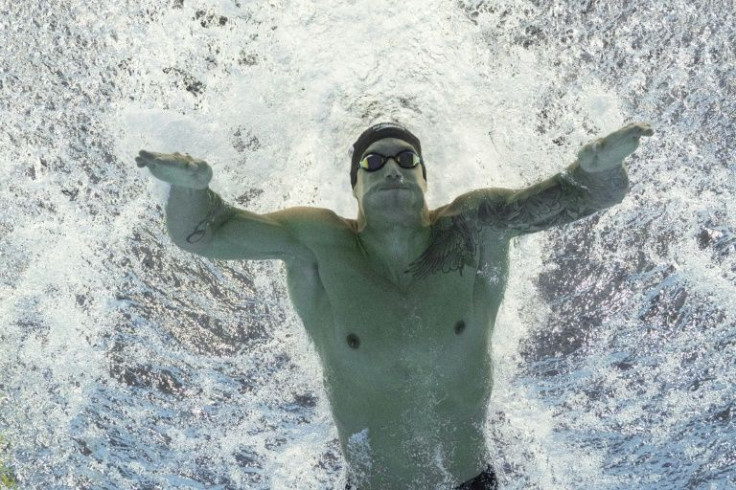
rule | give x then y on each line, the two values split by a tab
396	240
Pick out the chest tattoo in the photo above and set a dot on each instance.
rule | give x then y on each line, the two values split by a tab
453	245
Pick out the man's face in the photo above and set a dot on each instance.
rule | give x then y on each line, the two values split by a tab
391	185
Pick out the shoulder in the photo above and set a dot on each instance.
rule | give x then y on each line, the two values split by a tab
470	204
305	215
309	223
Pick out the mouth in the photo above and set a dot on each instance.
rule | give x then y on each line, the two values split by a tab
391	187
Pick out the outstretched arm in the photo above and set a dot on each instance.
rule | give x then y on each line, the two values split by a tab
596	181
199	221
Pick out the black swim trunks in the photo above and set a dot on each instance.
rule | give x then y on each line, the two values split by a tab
485	481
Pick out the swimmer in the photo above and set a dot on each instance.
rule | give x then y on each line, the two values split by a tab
401	301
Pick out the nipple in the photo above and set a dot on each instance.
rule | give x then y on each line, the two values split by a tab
353	341
459	327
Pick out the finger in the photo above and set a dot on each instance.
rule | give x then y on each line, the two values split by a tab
642	132
164	160
149	155
621	134
145	158
641	129
647	131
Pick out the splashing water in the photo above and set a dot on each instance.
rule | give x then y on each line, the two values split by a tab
128	363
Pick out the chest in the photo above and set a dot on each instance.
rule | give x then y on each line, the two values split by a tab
364	289
422	309
344	296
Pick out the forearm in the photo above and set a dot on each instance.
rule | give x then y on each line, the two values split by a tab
600	189
568	196
193	214
596	181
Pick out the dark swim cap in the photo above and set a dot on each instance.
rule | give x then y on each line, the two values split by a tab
379	132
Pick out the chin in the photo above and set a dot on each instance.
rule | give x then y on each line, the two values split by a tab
402	200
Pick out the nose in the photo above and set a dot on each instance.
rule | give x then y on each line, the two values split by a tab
392	170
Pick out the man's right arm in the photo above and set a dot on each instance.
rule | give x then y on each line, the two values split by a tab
199	221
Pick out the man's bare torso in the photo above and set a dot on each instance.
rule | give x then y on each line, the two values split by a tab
407	366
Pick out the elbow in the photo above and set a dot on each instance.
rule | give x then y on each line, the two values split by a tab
188	247
187	238
193	243
613	198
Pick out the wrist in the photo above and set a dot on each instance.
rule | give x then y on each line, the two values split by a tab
597	166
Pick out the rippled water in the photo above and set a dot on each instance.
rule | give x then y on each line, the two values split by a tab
127	363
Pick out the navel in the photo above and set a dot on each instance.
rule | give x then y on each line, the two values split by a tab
353	341
459	327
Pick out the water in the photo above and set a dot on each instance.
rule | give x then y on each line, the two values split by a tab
127	363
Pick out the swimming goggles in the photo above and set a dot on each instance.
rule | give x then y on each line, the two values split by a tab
376	161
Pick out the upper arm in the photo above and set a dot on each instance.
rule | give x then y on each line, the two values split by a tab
279	235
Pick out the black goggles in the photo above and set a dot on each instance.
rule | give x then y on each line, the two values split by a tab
376	161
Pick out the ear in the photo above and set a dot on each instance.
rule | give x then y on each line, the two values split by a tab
357	185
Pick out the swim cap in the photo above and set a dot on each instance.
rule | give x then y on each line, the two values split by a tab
379	132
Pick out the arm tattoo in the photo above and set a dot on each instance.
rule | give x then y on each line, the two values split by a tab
564	198
218	213
551	203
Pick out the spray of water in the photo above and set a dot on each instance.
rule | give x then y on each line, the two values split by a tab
127	363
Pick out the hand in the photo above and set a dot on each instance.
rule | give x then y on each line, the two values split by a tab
609	152
176	169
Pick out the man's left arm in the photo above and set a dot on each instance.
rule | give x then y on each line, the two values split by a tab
596	181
